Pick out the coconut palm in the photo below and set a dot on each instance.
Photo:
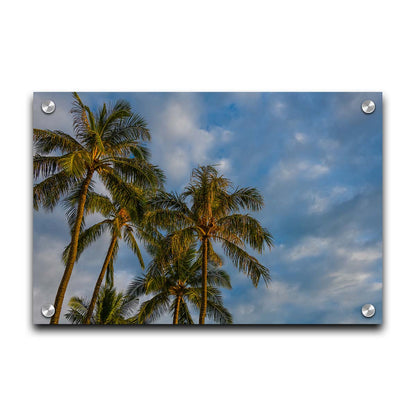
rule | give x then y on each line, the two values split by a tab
122	221
108	144
112	308
209	211
175	285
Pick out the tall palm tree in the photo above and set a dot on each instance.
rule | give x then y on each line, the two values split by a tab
122	221
209	211
108	143
112	308
174	283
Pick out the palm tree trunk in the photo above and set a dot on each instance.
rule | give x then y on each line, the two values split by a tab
60	294
99	281
203	310
176	314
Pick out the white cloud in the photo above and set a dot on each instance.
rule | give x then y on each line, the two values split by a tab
180	144
363	255
376	287
344	281
294	169
336	295
316	170
267	303
308	247
244	311
347	249
224	165
278	108
300	137
322	201
317	274
180	118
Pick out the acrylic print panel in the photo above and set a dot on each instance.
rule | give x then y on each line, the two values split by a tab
207	208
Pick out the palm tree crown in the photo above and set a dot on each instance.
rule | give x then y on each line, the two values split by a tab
109	144
209	211
112	308
122	221
175	283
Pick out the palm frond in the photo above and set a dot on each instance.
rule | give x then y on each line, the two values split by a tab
44	166
246	198
137	287
124	193
213	257
101	117
47	193
75	163
138	172
86	238
171	201
70	203
185	317
215	308
129	308
108	306
219	313
139	151
124	125
157	276
78	310
48	141
153	308
128	237
114	114
97	203
218	277
167	219
81	122
248	229
246	263
180	241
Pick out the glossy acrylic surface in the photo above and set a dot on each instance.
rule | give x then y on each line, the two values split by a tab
309	223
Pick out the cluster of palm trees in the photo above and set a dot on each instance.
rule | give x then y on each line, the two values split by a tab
181	232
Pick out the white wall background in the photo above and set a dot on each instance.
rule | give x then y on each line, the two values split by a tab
212	45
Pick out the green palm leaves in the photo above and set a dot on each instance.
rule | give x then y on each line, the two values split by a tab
174	284
103	144
209	211
181	232
122	222
108	144
112	308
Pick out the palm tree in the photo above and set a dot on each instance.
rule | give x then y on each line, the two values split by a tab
175	283
122	221
209	211
112	308
109	144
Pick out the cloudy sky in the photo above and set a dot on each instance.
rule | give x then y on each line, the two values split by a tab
316	158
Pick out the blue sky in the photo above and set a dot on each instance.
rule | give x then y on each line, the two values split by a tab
315	157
